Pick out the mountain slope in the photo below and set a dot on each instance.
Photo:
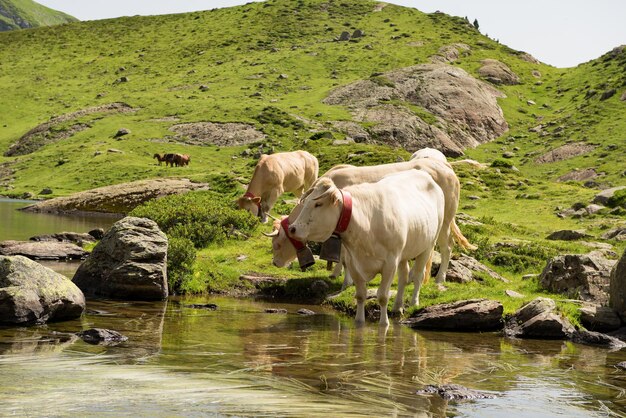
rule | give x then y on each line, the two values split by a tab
273	66
21	14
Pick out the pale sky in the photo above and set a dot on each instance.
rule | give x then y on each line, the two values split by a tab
563	33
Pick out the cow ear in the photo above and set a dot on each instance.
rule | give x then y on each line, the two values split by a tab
256	200
336	197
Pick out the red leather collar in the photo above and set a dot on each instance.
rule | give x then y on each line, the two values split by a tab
297	244
252	196
346	212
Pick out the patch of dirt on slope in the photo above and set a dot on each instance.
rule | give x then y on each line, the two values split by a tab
51	131
221	134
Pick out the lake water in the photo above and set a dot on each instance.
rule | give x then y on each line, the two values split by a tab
181	361
20	226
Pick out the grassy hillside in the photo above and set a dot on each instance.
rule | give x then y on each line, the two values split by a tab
270	65
20	14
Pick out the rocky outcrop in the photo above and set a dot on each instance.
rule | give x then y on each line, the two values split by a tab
584	277
599	318
565	152
598	339
464	269
75	237
618	234
567	235
617	288
538	319
459	111
128	263
118	199
603	197
33	294
497	72
467	315
43	250
579	175
48	132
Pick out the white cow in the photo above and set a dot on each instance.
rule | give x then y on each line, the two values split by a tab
284	252
276	174
429	153
391	222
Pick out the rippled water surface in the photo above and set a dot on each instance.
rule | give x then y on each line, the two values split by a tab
239	360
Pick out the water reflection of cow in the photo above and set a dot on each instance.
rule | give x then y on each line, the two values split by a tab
179	160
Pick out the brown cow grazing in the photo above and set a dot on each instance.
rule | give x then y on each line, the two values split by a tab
160	158
276	174
182	160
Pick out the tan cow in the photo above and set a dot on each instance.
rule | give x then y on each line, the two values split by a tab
382	225
441	172
276	174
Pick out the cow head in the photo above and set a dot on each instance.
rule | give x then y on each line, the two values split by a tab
283	250
250	203
321	208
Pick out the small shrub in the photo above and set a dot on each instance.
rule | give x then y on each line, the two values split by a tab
502	164
181	255
382	81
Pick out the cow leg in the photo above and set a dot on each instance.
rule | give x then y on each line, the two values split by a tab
417	275
403	279
388	273
361	296
347	278
445	242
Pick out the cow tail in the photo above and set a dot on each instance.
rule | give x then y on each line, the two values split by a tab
427	268
459	238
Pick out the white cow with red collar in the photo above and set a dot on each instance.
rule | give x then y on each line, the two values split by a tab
276	174
429	161
382	225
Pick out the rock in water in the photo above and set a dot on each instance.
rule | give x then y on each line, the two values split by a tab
466	315
128	263
33	294
538	319
454	392
102	336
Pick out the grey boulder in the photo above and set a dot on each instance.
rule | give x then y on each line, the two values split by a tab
465	315
584	277
538	319
33	294
129	263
